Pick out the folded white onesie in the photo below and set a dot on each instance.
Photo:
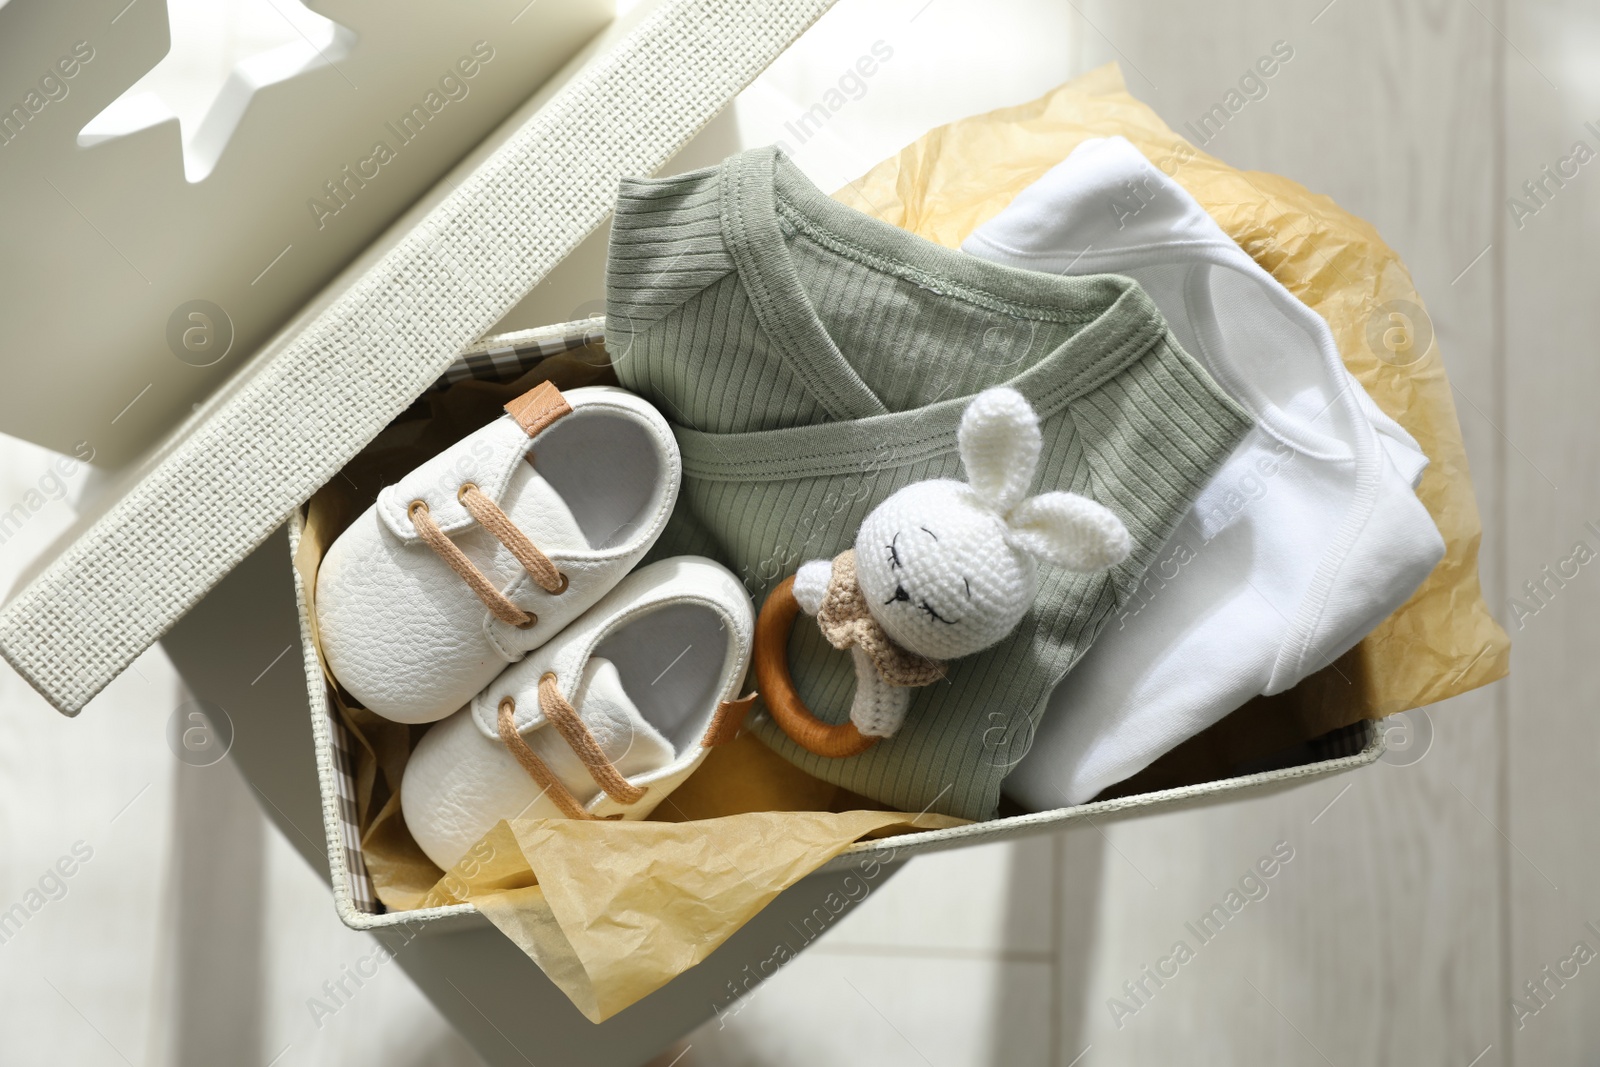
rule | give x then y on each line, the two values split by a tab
1309	535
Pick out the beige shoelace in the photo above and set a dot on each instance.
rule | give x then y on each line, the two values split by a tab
491	518
725	726
564	717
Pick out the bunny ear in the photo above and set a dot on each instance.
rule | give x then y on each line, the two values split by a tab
1071	530
1000	445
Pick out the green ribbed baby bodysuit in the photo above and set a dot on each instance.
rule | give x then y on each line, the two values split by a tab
814	360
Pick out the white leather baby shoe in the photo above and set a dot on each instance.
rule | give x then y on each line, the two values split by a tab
487	550
603	721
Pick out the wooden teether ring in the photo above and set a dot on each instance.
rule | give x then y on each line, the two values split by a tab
777	687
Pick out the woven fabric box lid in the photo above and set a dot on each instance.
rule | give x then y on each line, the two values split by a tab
378	336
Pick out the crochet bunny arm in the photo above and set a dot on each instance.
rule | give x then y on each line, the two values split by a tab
811	584
878	707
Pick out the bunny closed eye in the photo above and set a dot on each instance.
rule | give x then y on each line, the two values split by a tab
902	595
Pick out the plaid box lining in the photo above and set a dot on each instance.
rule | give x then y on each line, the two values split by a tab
507	357
360	883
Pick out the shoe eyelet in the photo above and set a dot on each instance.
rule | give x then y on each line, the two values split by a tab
562	588
462	492
414	507
533	620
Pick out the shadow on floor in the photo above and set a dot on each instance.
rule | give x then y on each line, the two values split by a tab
1077	857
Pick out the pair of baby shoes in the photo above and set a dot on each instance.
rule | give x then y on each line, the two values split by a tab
490	588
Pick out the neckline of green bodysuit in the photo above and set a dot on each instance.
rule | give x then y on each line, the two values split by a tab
762	191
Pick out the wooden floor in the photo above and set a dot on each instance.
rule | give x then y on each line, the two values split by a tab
1423	896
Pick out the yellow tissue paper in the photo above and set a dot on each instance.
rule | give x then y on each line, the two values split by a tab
625	907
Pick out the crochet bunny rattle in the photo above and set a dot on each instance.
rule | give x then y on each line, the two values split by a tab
940	570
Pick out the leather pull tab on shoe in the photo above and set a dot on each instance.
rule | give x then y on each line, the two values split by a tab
729	720
538	408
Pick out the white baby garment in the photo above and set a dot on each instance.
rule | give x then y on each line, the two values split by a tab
1309	535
